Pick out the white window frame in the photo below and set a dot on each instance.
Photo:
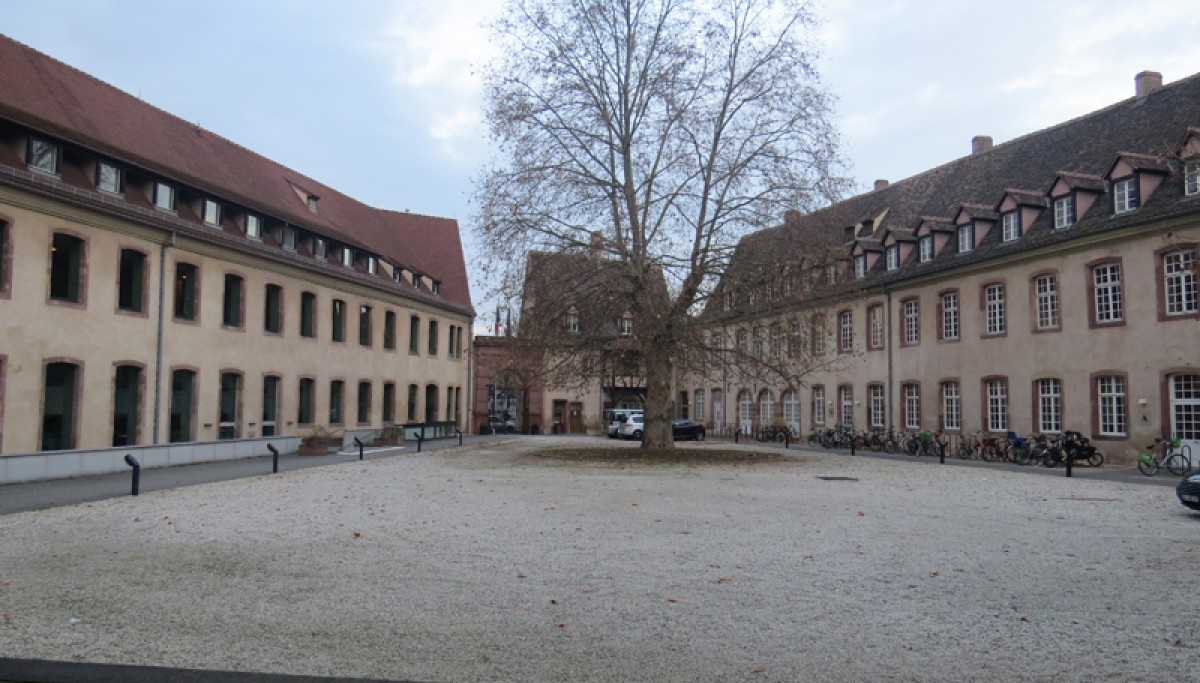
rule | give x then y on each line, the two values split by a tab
951	405
212	212
846	405
1125	195
1111	405
1045	288
925	247
997	405
994	297
1106	280
348	259
43	156
966	238
766	407
1179	282
912	406
831	273
1064	212
875	322
289	238
845	331
1049	391
115	175
950	320
164	196
878	407
573	323
321	252
912	321
253	226
791	409
860	266
893	257
372	265
626	325
818	394
1010	226
1191	178
698	405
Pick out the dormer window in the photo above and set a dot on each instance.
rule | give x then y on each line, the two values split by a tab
1010	226
626	325
416	280
164	197
372	265
347	257
43	156
211	212
966	238
320	248
752	299
289	237
1191	178
253	227
831	273
1064	212
727	301
108	178
573	321
1125	195
925	246
398	274
312	203
893	257
436	287
860	266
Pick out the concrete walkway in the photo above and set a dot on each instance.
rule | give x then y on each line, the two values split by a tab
45	671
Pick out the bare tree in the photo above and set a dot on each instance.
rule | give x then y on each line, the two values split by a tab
669	127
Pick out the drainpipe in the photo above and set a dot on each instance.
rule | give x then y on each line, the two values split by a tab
470	402
890	343
158	345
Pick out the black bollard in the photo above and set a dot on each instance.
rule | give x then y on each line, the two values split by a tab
274	458
787	440
459	432
419	440
852	444
1070	460
137	470
358	442
941	452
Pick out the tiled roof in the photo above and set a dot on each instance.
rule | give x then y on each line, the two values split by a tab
1079	152
48	96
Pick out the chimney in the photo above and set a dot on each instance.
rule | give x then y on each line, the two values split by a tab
881	183
1147	82
596	248
981	144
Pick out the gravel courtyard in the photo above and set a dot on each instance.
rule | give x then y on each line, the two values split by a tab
486	564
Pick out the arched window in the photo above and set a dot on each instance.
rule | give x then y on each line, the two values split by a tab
746	411
766	407
791	410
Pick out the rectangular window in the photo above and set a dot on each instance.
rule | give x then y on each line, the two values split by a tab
164	197
1049	393
289	238
389	402
337	392
231	302
997	405
1125	195
626	326
389	331
308	315
950	316
347	257
127	384
878	407
305	407
818	394
66	268
925	245
831	274
1045	289
230	400
187	290
845	331
818	335
253	227
951	406
273	310
912	406
1179	282
1064	212
270	406
1191	178
893	257
996	315
1010	226
372	265
1106	282
414	334
364	403
875	323
338	322
698	405
364	326
573	323
1110	395
966	238
43	157
212	212
131	281
846	405
912	321
433	337
183	406
860	266
412	402
108	178
319	249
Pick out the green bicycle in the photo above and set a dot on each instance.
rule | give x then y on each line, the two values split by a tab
1178	461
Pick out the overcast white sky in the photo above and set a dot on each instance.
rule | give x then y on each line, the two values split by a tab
379	98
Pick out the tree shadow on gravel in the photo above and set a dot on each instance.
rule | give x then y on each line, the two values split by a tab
650	457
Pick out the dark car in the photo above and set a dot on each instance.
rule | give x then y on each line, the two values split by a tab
686	429
1189	491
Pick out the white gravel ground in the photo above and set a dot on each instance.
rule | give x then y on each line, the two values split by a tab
484	565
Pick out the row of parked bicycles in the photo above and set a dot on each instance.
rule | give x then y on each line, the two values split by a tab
1048	450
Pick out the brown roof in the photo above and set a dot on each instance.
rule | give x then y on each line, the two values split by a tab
48	96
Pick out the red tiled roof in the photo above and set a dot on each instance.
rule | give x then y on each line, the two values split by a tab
47	95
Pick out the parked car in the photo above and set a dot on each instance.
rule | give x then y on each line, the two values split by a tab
686	429
1189	491
632	427
500	424
616	418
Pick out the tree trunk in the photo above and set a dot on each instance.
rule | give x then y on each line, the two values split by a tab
658	409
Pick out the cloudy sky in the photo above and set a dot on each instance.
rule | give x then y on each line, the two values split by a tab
379	98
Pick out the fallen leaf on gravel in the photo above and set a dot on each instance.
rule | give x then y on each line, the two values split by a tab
861	513
8	617
5	583
672	598
933	573
724	579
1025	619
553	601
959	569
560	626
757	669
911	585
137	519
1178	643
713	566
358	534
520	575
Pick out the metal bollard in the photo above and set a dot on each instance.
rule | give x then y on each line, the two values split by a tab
852	444
941	452
274	458
137	470
1070	460
459	432
736	434
360	445
787	440
419	440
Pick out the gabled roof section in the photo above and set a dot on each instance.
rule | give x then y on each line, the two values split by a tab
1190	147
976	212
1024	198
1087	182
46	95
1138	162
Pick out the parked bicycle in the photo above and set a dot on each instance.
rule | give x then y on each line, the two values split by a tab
1177	460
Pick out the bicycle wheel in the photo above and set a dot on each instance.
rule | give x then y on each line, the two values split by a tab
1148	465
1178	465
1096	459
990	453
1020	455
889	445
